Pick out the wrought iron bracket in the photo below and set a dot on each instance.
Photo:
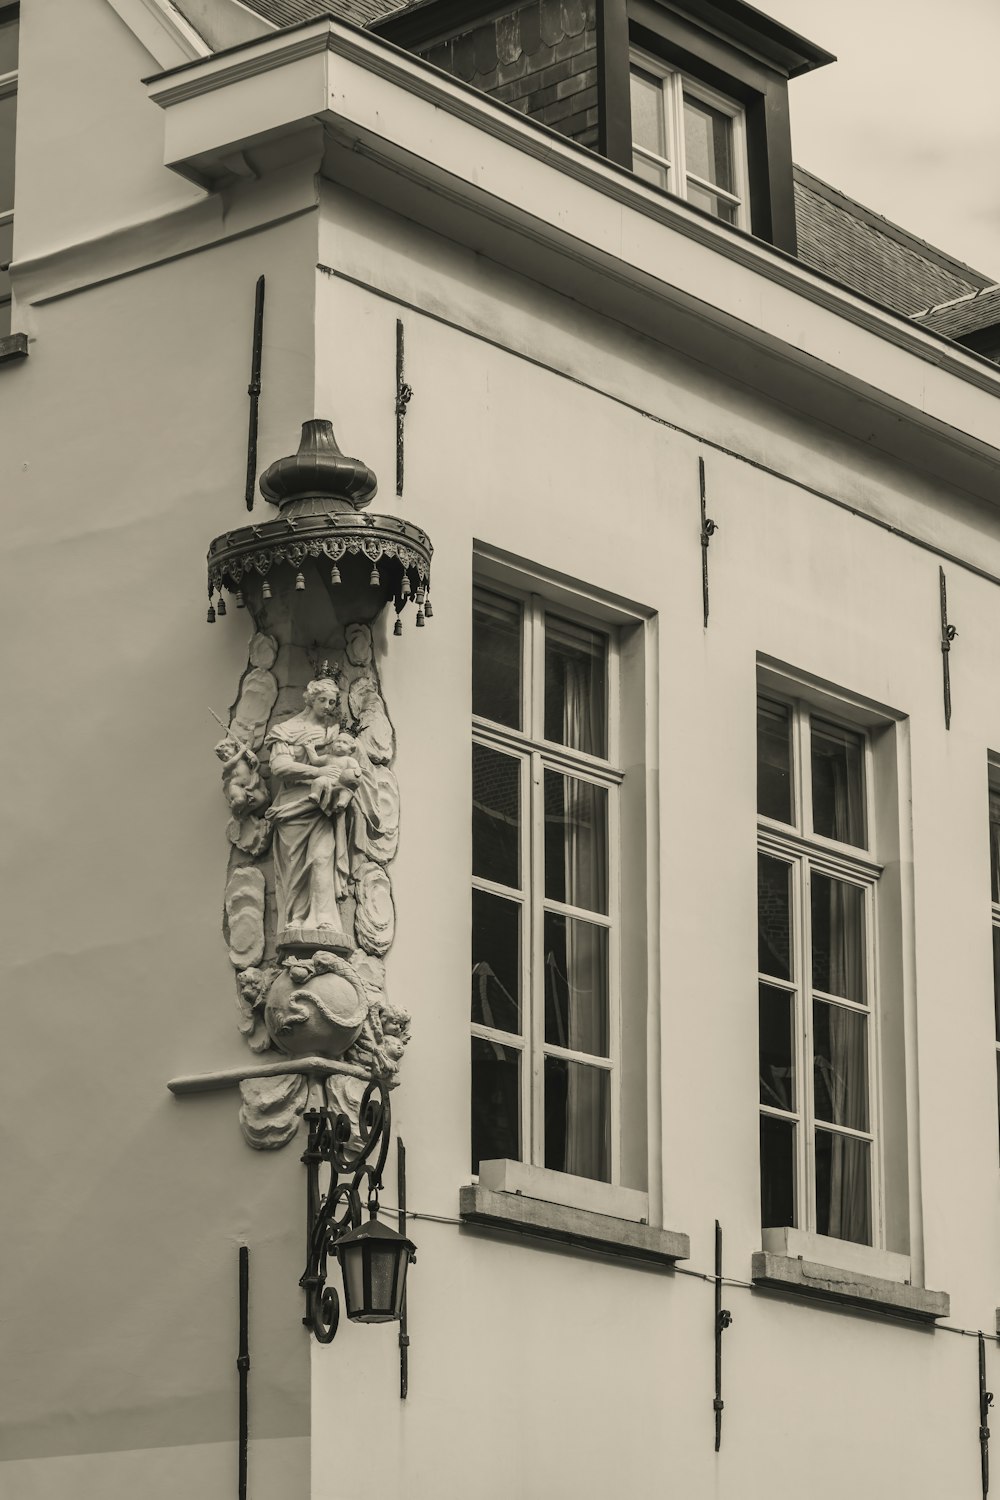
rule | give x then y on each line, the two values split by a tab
404	395
723	1320
985	1402
708	530
332	1212
948	634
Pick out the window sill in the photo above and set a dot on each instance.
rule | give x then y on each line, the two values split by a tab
580	1227
805	1278
13	346
802	1244
505	1176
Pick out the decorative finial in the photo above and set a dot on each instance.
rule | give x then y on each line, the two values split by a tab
319	471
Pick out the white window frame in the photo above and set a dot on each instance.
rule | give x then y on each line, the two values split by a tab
808	853
536	754
993	786
8	87
675	85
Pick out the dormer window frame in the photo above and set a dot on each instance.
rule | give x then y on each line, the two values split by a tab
677	86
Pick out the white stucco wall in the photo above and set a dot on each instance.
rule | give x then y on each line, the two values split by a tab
124	443
534	1371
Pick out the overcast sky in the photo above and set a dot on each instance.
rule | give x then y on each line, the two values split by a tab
907	119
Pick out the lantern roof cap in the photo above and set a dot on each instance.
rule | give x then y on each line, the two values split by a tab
374	1229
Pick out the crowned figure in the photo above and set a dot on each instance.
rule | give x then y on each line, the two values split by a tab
322	809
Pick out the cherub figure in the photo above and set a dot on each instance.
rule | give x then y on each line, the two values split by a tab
242	784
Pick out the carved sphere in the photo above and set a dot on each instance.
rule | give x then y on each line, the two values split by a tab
320	1018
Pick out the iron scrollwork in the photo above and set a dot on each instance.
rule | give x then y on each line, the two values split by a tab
338	1209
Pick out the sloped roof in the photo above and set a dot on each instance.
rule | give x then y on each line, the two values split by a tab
964	315
871	255
293	12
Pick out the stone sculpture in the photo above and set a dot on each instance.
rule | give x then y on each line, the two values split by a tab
309	908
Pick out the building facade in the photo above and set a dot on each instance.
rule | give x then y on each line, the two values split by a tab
707	454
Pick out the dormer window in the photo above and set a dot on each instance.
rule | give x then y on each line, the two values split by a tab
689	139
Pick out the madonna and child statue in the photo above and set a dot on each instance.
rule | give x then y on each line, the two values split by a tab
309	908
323	810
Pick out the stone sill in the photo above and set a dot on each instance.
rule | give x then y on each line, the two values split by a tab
14	346
579	1227
806	1278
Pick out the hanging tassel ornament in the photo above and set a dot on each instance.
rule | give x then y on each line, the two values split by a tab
419	595
335	574
300	583
239	599
375	580
397	629
210	617
420	619
429	608
220	608
265	592
405	586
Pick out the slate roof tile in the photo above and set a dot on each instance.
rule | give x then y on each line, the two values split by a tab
871	255
294	12
964	315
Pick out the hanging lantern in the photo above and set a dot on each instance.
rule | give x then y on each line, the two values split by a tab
374	1259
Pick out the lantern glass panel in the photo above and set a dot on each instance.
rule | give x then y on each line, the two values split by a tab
382	1302
352	1260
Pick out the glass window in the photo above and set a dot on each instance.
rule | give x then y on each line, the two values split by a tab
689	140
544	987
816	981
496	658
838	783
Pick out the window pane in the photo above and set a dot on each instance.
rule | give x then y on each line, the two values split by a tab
496	815
8	46
496	962
996	978
576	985
774	761
702	198
496	658
577	1119
777	1173
840	1065
708	143
777	1050
774	906
496	1102
843	1187
648	127
838	938
838	783
995	842
576	842
576	686
651	171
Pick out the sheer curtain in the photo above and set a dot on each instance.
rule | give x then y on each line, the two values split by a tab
846	1068
585	862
